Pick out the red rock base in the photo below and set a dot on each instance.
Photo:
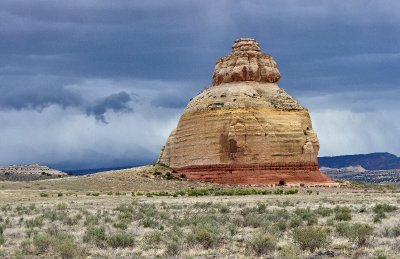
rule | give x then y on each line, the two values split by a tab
260	174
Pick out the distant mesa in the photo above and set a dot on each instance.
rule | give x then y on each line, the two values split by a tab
372	161
29	172
244	129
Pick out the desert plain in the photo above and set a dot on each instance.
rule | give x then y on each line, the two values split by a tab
149	212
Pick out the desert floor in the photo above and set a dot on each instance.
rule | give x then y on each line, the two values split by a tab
146	213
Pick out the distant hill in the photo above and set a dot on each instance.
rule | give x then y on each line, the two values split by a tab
373	161
96	170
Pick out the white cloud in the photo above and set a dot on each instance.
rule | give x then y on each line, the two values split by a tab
342	132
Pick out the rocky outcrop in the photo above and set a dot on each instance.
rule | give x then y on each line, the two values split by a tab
244	129
246	63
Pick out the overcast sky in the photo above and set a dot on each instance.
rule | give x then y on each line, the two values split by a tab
91	83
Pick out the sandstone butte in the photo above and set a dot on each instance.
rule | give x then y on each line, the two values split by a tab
244	128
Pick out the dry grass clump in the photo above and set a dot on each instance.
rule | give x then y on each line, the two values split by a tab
261	244
311	237
342	213
358	233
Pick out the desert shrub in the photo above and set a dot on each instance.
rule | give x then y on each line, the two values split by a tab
312	219
253	220
246	211
1	235
6	208
261	207
310	237
43	194
146	211
202	205
95	235
62	243
396	230
295	221
120	239
61	206
282	225
342	213
125	208
342	229
284	204
261	244
358	233
121	225
65	246
173	246
42	242
22	210
330	222
380	254
378	217
35	222
307	215
224	209
71	221
324	211
149	223
363	209
152	240
60	194
278	214
207	235
53	230
292	191
91	220
174	242
25	246
157	173
233	229
380	210
198	192
51	215
289	251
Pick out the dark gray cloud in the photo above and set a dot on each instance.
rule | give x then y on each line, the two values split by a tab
115	102
339	58
38	98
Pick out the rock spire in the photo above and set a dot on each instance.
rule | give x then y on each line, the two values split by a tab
246	63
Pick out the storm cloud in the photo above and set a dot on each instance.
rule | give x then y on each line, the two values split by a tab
115	102
114	76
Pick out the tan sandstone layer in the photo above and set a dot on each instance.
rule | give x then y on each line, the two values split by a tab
245	129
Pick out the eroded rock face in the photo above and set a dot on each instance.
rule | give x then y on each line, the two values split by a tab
246	63
244	129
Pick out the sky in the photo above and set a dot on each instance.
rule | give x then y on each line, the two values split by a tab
99	83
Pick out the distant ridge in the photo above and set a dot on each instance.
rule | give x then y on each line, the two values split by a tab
372	161
95	170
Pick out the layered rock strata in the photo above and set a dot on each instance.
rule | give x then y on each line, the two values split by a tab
244	129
